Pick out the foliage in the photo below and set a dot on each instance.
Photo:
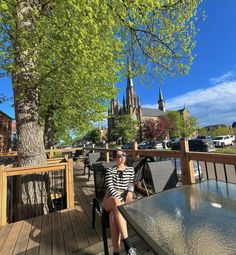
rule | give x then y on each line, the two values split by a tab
157	34
180	126
155	129
124	126
221	130
94	136
65	55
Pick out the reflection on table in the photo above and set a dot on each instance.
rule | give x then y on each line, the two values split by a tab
192	219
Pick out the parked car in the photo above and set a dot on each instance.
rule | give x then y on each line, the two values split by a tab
155	145
150	145
233	138
196	145
127	146
222	141
143	145
204	137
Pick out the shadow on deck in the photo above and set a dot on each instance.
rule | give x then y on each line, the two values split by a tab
64	232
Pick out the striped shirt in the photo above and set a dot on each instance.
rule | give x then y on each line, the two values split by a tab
119	181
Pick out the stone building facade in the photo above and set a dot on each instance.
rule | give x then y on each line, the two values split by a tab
131	105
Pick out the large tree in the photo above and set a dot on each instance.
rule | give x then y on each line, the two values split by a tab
180	126
155	129
62	56
125	127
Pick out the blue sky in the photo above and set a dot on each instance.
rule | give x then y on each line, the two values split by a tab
209	90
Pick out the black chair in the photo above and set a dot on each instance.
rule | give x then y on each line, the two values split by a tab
78	155
92	158
159	176
99	171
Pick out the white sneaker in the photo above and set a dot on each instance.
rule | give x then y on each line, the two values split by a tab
132	251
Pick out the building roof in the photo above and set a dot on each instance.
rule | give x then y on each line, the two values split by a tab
7	116
150	112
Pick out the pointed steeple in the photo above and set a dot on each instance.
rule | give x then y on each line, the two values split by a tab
161	102
124	105
130	94
138	101
129	77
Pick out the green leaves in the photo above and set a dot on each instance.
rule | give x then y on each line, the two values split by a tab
73	51
126	127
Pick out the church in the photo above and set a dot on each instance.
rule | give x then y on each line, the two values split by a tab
131	105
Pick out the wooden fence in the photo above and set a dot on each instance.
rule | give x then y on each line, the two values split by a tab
65	165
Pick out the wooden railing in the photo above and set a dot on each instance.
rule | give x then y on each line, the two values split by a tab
186	157
65	165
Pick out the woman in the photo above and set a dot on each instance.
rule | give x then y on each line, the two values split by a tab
119	183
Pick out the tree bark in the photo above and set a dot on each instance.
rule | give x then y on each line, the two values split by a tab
31	149
49	128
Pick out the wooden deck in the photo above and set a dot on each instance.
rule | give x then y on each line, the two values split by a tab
65	232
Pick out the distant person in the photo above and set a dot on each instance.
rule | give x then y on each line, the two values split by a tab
120	186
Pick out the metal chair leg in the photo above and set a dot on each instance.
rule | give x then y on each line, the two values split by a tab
104	236
93	213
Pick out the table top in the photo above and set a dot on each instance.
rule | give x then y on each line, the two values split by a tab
191	219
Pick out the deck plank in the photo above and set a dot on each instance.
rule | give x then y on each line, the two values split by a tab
85	221
10	242
22	242
80	236
4	232
58	247
68	233
45	247
34	236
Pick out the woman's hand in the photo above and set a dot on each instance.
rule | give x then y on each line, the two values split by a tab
129	197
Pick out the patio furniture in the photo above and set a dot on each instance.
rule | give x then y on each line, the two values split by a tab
90	159
159	176
191	219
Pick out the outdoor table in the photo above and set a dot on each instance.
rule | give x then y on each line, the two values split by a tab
191	219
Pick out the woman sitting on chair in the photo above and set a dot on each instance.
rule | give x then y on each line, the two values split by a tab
120	187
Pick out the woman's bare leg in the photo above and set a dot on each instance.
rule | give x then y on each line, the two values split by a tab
110	204
115	234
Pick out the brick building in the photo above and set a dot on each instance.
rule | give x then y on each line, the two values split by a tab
5	132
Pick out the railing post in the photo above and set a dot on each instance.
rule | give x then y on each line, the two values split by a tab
107	157
69	184
51	153
3	196
135	148
187	173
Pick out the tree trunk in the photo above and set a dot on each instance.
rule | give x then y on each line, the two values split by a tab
49	128
31	151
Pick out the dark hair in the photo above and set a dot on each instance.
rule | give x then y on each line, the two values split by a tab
115	152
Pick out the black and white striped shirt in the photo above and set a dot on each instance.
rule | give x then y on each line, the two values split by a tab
117	181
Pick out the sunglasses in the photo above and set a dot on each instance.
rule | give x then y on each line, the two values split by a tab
123	155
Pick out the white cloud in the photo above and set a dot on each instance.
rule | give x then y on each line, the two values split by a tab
214	105
229	76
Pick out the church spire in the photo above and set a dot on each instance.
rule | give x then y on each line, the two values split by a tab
129	77
124	105
130	94
161	102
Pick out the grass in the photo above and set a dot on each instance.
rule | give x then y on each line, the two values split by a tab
229	150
